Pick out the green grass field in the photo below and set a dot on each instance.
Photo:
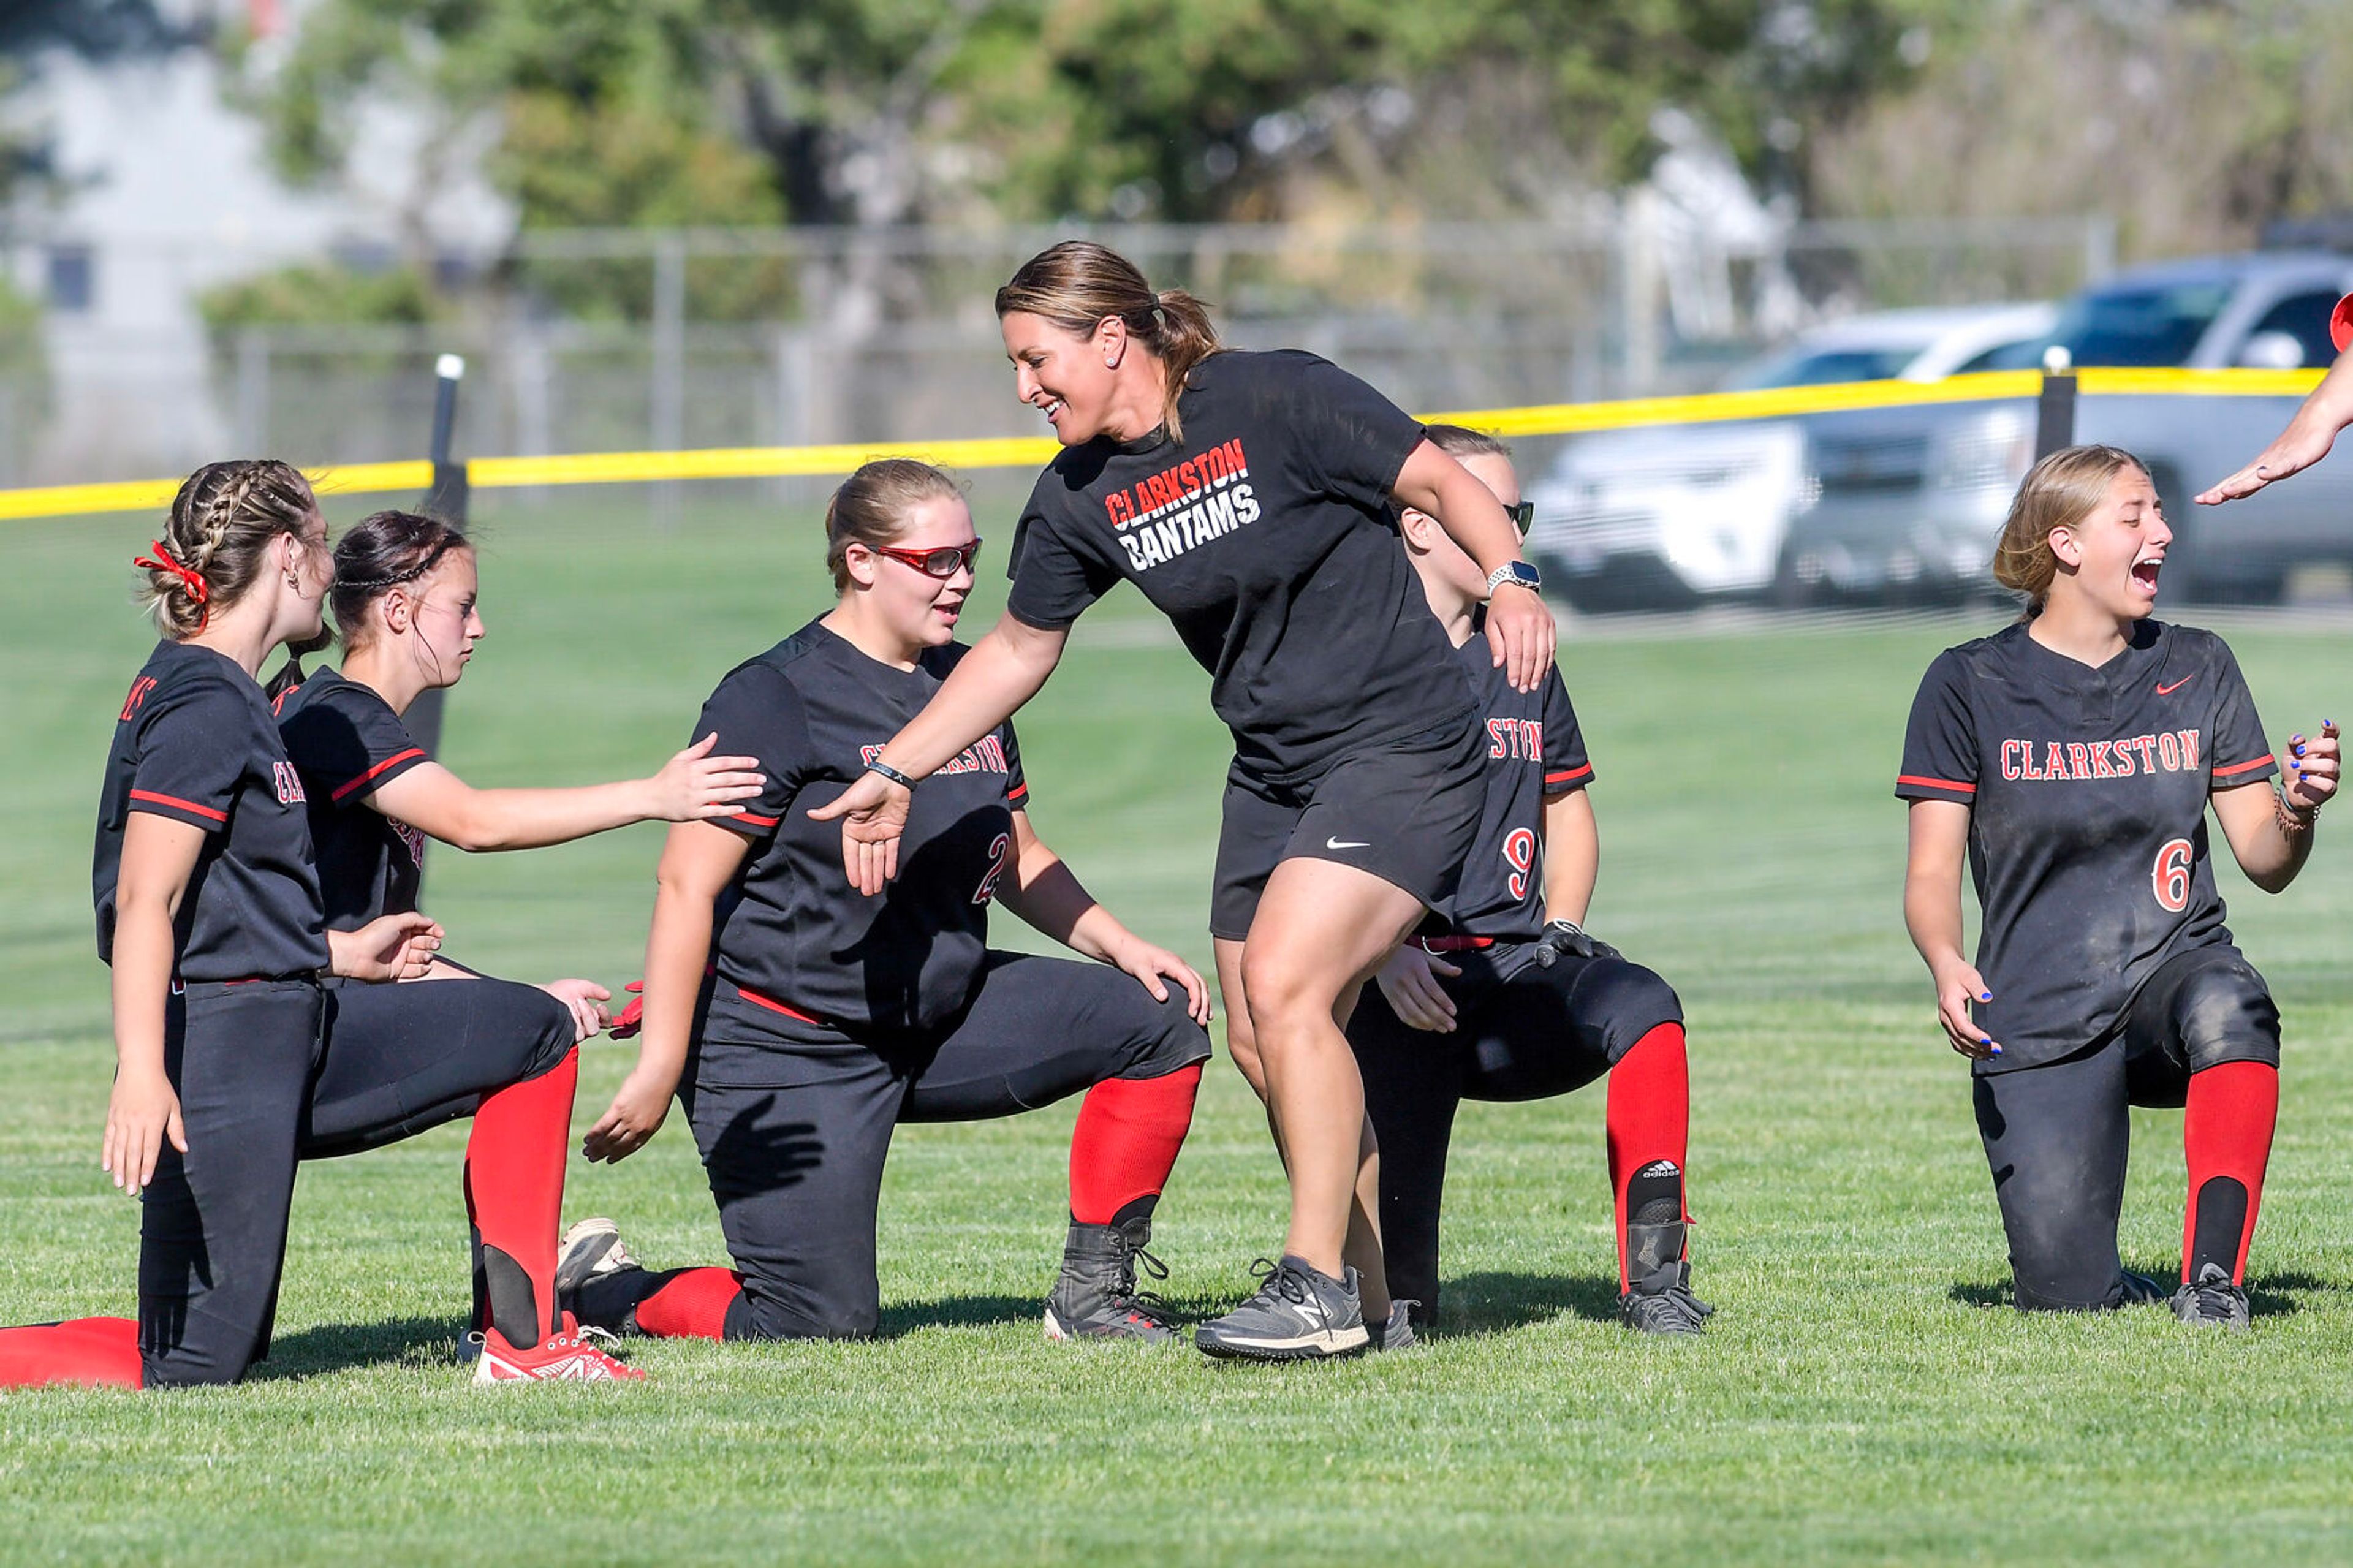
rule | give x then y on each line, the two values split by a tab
1863	1395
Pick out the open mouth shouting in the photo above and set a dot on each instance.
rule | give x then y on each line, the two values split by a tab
2144	573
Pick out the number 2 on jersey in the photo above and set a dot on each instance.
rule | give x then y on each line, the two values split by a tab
1520	853
1000	856
2169	878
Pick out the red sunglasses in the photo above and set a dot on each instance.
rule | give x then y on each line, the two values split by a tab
945	561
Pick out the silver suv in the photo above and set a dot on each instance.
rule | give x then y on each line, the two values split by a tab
1910	500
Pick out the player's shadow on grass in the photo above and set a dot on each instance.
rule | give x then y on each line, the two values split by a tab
2268	1296
1495	1302
959	1312
336	1347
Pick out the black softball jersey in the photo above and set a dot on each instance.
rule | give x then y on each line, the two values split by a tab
792	935
194	743
347	743
2087	791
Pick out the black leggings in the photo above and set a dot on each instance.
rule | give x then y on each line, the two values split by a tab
271	1073
2057	1136
794	1135
1520	1032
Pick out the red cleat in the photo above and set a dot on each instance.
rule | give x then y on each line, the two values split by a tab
563	1357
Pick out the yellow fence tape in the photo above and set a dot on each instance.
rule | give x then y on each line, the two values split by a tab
1546	419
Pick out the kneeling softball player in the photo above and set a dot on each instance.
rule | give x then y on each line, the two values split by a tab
2072	756
826	1017
1502	996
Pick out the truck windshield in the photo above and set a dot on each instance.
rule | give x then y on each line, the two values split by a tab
2146	326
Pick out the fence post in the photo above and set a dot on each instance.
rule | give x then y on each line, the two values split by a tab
668	365
2054	421
447	499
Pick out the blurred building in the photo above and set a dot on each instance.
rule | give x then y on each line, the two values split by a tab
165	190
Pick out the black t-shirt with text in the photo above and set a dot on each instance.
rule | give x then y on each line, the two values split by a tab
791	933
2087	791
194	743
1534	752
1267	537
347	742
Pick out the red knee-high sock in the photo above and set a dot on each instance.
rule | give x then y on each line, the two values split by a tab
692	1306
101	1353
1649	1124
2227	1133
1127	1140
514	1190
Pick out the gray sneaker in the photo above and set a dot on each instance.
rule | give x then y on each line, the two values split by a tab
589	1254
1298	1314
1662	1303
1397	1335
2212	1301
1096	1297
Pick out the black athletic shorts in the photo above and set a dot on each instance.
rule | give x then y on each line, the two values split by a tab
1408	813
2056	1135
270	1073
1520	1032
794	1130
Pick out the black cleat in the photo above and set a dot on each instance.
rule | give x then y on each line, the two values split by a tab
1397	1333
591	1257
1298	1314
2212	1301
1096	1297
1662	1303
2138	1291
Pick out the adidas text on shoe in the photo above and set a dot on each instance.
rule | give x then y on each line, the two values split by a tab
1298	1314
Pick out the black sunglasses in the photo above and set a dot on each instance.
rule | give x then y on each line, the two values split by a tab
1523	514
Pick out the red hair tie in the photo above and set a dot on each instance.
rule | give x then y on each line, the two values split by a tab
191	579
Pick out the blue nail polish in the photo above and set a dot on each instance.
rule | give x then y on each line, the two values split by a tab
1985	1039
1996	1050
1985	995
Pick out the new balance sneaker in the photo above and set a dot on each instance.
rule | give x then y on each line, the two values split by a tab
1397	1332
1298	1314
2211	1300
564	1356
1662	1303
589	1254
1096	1297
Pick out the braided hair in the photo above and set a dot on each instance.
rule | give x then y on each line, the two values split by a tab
384	551
217	538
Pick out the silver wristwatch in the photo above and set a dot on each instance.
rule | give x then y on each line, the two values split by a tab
1518	572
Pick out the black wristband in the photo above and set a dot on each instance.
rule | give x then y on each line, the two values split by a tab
893	774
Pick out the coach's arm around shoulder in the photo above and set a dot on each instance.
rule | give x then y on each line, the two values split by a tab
2271	829
698	859
1931	912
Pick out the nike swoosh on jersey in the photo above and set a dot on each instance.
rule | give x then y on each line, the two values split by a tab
1348	843
2169	691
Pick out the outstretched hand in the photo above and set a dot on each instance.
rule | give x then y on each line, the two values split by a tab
694	785
873	815
2303	443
